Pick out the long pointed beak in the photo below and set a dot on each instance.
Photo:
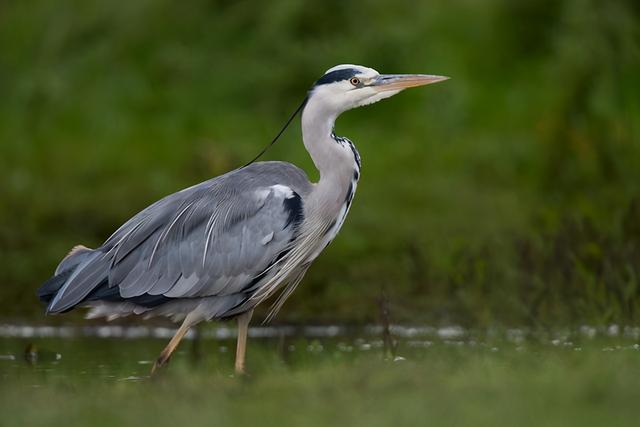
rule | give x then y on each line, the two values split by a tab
386	82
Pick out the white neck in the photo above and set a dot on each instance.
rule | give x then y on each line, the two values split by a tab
334	161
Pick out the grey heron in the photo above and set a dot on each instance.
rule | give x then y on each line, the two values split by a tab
219	248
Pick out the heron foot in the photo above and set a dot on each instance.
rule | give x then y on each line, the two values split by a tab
162	360
169	349
241	348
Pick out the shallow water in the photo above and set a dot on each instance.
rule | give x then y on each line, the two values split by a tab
126	353
79	376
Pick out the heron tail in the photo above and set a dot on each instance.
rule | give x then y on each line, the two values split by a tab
49	289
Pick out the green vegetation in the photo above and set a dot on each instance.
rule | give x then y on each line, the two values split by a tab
590	383
509	194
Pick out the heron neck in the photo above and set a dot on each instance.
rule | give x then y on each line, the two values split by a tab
335	161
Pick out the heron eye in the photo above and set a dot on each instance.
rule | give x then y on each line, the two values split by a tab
354	81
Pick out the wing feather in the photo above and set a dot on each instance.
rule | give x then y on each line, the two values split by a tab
207	240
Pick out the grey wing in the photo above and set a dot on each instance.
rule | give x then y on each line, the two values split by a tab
214	239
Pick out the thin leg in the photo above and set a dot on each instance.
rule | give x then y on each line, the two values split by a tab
241	349
169	349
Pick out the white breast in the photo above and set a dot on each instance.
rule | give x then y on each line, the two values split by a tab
340	218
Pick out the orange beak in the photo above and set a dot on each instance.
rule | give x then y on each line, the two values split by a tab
386	82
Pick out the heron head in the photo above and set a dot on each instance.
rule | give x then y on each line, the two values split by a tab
348	86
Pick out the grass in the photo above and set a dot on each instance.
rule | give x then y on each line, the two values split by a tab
509	195
529	384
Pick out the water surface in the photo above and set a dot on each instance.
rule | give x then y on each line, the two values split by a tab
126	353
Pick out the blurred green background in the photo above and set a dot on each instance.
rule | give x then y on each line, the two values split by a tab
508	195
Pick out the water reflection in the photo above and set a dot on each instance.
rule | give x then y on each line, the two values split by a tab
221	332
100	352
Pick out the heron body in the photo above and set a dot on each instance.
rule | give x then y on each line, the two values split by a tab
221	247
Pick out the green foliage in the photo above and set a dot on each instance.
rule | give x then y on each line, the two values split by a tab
507	194
445	384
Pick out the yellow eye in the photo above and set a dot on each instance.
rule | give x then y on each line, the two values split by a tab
354	81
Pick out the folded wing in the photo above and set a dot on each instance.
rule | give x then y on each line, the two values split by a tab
217	238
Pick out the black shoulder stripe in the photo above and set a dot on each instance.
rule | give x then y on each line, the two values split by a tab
293	206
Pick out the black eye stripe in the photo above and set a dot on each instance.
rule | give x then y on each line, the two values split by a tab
336	76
